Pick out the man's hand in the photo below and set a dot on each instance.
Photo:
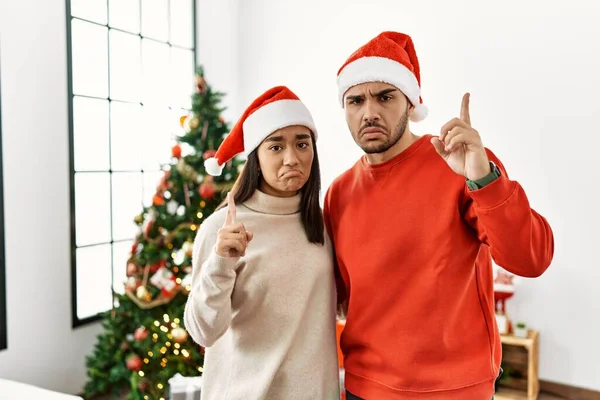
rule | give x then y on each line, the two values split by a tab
461	147
232	239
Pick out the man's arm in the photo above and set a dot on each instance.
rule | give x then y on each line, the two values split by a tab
521	240
339	281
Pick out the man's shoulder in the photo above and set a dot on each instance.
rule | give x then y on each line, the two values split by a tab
346	176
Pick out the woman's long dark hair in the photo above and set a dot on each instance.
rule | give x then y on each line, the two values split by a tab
310	210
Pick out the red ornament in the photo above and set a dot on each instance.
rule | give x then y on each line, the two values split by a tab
168	294
206	190
154	267
176	151
209	154
134	362
158	200
144	385
141	333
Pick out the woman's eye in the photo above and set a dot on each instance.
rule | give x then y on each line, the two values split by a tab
275	148
303	145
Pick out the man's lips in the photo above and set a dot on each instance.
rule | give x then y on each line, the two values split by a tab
372	133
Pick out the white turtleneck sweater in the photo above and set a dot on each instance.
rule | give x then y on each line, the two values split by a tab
267	319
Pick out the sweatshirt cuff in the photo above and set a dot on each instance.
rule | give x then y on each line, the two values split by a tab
494	193
220	265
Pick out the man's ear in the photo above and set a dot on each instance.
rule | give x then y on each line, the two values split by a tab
411	109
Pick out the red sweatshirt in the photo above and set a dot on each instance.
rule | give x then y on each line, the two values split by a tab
413	247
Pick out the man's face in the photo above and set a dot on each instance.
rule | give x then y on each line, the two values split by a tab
377	114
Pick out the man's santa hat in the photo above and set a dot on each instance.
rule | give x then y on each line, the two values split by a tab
275	109
391	58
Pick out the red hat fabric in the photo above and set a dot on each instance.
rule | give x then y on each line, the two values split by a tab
390	57
275	109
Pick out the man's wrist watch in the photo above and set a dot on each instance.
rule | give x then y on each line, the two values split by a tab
486	180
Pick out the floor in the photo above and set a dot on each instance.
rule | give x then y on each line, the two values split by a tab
542	396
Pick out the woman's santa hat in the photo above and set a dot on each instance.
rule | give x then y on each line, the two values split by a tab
275	109
391	58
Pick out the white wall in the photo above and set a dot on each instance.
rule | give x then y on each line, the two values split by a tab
218	50
43	349
532	68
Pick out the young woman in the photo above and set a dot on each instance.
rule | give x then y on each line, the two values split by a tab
263	294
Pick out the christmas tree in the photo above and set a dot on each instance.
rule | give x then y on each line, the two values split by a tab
144	343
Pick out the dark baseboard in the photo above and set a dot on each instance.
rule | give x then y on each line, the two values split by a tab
568	392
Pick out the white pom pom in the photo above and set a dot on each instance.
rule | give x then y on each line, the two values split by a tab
212	166
419	113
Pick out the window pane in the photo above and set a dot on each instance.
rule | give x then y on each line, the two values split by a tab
120	255
182	23
126	203
92	208
126	135
155	19
93	280
182	67
151	181
90	138
93	10
125	15
155	71
125	66
158	136
90	59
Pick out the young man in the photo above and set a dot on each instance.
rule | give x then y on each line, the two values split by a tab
415	223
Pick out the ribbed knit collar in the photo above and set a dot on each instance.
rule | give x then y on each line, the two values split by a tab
267	204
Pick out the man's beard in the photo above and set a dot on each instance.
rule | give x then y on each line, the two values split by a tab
390	141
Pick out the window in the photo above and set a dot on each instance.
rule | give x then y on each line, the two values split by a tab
3	330
131	69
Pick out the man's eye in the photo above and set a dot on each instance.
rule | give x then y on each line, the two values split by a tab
385	98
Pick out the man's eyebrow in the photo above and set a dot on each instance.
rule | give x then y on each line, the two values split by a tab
378	94
385	91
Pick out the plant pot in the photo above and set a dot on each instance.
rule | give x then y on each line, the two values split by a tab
520	332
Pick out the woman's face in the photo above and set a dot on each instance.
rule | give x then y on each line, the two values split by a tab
285	158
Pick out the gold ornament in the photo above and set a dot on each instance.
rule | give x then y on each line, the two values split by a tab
180	335
194	123
143	294
186	170
139	219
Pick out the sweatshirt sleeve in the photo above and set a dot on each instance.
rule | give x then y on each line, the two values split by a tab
207	314
520	240
339	281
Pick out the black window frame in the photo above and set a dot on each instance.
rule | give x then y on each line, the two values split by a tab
76	321
3	305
